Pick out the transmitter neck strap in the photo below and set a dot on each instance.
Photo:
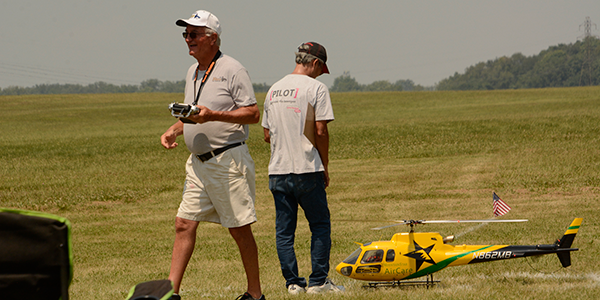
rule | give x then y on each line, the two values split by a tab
205	77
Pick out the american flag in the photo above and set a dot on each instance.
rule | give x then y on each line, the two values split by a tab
500	207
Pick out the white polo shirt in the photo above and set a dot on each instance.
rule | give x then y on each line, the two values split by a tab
292	106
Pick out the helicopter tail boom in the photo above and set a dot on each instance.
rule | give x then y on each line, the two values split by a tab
562	248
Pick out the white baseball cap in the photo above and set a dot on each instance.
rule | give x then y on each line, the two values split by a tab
202	18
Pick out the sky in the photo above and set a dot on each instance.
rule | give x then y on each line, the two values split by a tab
129	41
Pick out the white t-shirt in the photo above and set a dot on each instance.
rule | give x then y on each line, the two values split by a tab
292	106
227	88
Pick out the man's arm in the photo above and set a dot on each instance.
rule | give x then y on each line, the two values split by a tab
168	138
243	115
322	145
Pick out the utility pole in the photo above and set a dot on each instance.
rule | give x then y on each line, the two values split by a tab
586	67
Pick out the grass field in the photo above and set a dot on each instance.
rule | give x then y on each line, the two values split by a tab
97	160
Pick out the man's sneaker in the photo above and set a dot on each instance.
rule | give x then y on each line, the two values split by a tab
175	297
325	287
295	289
247	296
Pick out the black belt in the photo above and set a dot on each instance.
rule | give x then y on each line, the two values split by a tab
208	155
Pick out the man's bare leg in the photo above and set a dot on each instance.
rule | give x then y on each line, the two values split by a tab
245	240
185	240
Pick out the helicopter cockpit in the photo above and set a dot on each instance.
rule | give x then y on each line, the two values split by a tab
370	256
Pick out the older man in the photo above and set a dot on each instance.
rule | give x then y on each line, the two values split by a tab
220	179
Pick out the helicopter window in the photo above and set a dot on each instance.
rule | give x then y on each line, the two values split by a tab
353	257
372	256
390	256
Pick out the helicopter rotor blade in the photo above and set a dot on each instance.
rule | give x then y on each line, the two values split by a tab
474	221
388	226
414	222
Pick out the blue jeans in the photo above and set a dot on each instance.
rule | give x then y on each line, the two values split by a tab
308	191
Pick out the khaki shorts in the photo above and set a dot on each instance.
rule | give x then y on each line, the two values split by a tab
221	189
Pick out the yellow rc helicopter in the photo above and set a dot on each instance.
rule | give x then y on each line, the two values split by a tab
412	255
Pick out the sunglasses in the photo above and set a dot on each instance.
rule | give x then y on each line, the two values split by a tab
192	34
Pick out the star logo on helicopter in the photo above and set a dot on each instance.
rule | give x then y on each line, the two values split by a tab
421	255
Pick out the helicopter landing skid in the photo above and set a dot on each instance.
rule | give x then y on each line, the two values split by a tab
427	283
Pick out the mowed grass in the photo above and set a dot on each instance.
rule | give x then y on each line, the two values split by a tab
97	160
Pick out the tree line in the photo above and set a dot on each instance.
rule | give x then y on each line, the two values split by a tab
344	83
558	66
147	86
347	83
